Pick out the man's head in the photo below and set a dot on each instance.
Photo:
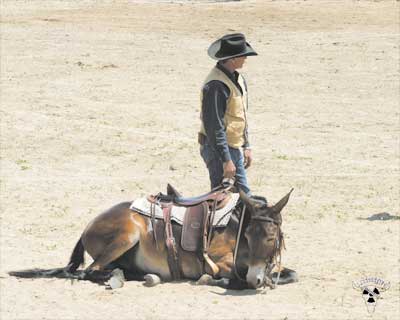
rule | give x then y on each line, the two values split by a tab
229	47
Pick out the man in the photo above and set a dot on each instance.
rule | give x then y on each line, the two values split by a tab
223	135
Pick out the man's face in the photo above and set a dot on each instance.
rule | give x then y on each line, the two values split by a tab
239	62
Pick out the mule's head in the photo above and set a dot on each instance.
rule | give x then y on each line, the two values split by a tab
263	235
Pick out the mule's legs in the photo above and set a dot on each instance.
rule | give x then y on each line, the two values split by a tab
208	280
133	276
232	284
113	251
108	237
97	271
287	276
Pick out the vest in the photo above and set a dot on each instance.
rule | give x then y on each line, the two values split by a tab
235	120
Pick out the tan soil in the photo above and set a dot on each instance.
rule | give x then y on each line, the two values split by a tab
99	104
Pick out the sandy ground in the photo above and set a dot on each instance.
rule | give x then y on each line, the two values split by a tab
100	104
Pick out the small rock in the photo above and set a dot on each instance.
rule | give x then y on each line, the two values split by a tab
111	65
117	279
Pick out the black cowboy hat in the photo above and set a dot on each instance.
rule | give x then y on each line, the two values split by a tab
230	46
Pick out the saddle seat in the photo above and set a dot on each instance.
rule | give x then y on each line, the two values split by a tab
217	194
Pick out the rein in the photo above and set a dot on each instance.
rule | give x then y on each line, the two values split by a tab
277	258
237	244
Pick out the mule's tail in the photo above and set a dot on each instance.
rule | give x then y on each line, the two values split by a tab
43	273
77	258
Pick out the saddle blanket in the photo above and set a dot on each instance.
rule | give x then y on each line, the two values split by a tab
221	218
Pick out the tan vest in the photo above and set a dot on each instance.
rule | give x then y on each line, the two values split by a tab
235	116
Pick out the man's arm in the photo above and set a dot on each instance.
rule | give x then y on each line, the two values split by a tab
246	131
215	96
248	156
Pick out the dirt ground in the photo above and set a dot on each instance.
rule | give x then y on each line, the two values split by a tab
100	104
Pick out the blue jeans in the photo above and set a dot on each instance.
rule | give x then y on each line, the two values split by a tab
216	170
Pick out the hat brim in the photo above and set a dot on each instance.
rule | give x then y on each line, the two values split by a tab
213	51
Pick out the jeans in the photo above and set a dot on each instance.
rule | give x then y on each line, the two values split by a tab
216	170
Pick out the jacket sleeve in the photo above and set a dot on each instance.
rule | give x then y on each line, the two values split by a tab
215	97
246	130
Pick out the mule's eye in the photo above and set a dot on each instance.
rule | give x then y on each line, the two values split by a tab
258	229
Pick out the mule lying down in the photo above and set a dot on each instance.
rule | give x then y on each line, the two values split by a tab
242	254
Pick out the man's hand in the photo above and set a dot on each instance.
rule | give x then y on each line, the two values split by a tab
229	169
248	158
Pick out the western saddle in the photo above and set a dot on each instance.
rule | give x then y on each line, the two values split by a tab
197	222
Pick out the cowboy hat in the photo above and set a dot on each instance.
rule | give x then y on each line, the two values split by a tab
230	46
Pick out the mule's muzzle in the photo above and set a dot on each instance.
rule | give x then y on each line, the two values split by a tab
256	275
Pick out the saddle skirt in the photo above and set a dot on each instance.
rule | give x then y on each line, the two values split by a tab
221	217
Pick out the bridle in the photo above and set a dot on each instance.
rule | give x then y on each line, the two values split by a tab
276	257
273	260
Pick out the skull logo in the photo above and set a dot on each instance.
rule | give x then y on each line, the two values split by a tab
370	295
370	292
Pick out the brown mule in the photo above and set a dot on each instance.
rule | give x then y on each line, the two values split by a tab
122	238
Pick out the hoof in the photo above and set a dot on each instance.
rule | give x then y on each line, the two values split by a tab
117	279
205	280
151	280
286	276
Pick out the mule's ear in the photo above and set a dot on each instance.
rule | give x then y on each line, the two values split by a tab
282	203
248	201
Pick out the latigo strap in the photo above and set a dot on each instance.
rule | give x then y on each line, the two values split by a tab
173	258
